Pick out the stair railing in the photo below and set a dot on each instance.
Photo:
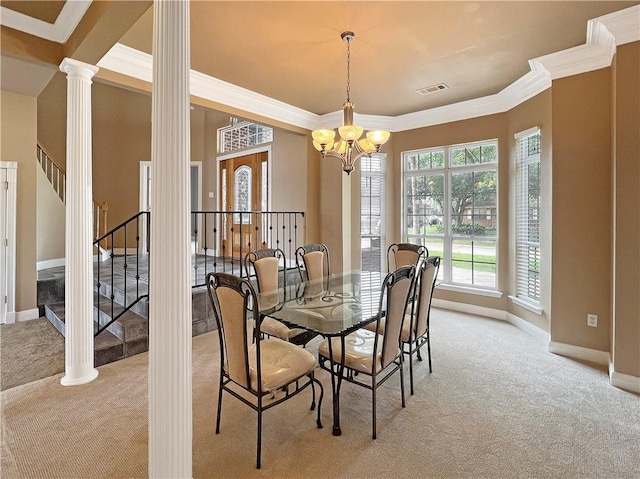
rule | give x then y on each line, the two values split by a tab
58	179
55	173
220	242
127	274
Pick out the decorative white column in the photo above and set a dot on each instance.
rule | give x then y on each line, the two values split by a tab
78	340
170	410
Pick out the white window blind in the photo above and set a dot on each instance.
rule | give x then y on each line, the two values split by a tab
372	209
528	215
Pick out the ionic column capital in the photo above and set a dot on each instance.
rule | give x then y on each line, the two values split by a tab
78	69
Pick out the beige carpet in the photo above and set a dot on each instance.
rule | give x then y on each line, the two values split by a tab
497	405
29	351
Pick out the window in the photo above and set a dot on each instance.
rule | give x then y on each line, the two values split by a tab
527	218
243	134
372	240
450	206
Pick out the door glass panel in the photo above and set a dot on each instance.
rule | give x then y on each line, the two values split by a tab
242	194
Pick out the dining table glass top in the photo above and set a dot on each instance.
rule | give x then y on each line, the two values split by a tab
328	306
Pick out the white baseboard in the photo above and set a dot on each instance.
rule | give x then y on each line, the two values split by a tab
50	263
527	327
624	381
578	352
492	313
469	308
21	316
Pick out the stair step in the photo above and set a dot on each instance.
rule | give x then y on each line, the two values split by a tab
106	346
128	327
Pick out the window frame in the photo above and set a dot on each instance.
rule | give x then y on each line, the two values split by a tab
447	237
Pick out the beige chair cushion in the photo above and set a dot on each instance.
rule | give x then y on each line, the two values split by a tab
282	363
314	262
405	258
267	272
406	327
273	327
358	351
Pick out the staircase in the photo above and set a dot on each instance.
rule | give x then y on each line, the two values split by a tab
128	335
121	281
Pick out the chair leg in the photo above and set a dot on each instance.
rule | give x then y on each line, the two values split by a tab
313	391
402	380
411	369
219	407
259	440
429	351
373	407
318	422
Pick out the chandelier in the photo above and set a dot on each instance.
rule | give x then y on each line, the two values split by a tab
349	146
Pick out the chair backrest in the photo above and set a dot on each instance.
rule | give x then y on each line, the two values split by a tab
230	297
404	254
427	275
313	261
267	264
396	290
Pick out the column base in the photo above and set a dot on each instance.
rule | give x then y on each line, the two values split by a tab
68	381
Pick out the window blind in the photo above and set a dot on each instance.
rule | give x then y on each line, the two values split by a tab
528	215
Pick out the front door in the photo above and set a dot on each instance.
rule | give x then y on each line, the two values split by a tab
243	196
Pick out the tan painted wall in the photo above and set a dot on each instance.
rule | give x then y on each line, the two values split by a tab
534	112
52	118
626	199
50	220
19	136
476	129
121	140
581	216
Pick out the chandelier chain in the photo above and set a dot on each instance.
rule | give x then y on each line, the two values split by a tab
348	69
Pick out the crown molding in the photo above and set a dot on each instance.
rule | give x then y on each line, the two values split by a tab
60	31
603	35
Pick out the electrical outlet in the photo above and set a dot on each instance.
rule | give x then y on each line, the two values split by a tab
592	320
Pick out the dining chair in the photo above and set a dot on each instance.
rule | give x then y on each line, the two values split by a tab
415	329
313	261
368	358
261	373
403	254
270	269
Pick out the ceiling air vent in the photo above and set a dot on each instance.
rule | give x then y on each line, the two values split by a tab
432	89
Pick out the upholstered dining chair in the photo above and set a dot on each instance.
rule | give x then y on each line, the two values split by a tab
270	268
403	254
415	329
369	358
313	261
261	373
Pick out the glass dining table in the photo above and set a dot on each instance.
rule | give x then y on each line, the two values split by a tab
331	307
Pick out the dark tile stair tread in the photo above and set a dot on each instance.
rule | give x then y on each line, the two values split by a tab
105	340
57	309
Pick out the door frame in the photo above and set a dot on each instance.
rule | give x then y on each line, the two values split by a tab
8	231
237	154
144	199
